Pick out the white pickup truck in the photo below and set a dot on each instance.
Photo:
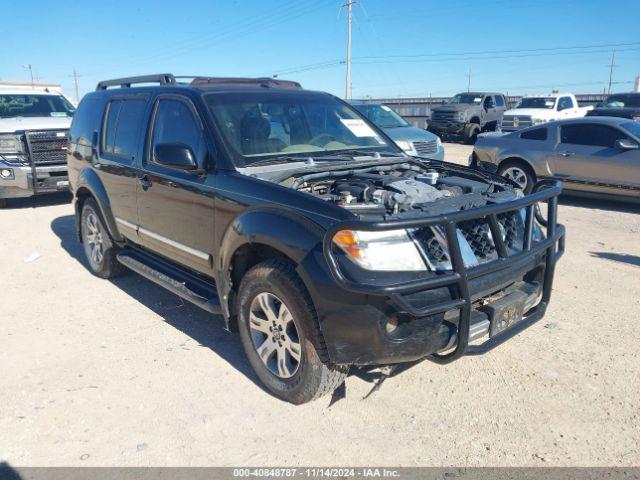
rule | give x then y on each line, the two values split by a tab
34	125
534	110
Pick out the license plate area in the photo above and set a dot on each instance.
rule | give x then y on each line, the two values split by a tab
505	312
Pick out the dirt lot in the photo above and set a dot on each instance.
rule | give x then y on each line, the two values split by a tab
97	372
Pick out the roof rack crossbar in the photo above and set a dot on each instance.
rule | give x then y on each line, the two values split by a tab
161	78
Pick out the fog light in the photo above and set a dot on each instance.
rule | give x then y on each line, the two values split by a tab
6	173
392	325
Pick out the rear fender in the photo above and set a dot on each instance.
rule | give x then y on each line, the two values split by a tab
89	183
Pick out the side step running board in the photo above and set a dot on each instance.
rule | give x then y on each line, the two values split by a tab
176	281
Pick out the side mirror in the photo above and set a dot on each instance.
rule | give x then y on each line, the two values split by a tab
175	155
625	145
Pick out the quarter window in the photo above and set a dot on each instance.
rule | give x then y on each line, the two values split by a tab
175	123
592	135
535	134
123	125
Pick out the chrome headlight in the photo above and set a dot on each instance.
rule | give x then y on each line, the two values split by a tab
405	145
538	121
388	251
636	118
11	144
462	116
438	142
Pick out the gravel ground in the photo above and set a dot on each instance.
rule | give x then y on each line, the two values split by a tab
121	372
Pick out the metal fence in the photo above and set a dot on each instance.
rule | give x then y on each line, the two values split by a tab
417	110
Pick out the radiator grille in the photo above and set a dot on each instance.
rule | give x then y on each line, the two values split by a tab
47	147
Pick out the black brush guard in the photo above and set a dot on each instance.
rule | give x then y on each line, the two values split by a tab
552	247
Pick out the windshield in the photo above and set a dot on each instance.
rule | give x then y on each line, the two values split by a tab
262	124
537	102
465	98
622	101
632	127
29	105
381	115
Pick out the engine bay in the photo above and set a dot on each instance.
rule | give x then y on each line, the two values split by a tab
404	190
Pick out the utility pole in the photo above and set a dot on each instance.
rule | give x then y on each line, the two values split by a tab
469	81
613	65
75	86
28	67
349	4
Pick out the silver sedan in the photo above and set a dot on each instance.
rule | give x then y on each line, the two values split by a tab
594	156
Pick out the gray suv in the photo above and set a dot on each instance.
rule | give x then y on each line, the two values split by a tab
468	114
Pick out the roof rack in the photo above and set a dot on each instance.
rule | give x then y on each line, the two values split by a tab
161	78
262	81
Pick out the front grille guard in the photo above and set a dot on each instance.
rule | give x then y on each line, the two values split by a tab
552	247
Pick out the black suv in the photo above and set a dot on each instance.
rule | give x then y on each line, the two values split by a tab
305	226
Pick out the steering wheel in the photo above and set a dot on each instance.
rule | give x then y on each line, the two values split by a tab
316	140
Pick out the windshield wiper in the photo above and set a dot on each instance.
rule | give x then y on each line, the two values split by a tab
282	159
359	153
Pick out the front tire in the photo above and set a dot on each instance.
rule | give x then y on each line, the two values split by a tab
280	334
471	132
98	246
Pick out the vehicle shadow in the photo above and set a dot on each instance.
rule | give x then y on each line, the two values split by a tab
598	204
36	201
201	326
7	472
618	257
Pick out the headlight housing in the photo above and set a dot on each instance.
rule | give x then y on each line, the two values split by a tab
462	116
636	118
538	121
438	142
11	144
387	251
405	145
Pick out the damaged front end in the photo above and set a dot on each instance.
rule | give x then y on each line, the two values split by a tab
482	272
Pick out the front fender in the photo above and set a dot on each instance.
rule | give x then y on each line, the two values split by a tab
292	235
89	182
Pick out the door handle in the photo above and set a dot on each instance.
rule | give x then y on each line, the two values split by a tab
144	181
567	154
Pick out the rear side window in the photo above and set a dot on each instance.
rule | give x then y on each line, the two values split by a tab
564	103
123	125
535	134
591	135
85	121
499	101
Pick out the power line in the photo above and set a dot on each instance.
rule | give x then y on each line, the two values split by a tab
521	54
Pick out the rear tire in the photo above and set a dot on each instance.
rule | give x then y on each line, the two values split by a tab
98	246
471	132
520	173
280	334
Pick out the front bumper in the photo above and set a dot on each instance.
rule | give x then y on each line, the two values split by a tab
27	181
450	127
447	311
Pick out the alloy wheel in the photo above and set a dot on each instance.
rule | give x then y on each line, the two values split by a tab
274	334
518	175
94	238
